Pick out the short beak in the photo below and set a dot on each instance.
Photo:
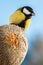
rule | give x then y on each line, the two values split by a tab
33	14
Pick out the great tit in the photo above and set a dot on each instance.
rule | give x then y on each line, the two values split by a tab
22	17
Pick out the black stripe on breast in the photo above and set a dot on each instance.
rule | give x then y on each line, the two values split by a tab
22	24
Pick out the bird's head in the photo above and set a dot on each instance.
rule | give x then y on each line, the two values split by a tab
22	17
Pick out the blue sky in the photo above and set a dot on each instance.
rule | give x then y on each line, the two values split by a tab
7	7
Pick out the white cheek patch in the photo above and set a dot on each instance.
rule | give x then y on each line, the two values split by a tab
26	11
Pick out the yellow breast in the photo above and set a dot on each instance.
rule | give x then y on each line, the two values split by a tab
27	25
17	17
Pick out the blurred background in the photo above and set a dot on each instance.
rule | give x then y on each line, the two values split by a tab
34	34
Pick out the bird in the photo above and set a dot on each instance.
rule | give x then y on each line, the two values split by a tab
22	17
13	42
